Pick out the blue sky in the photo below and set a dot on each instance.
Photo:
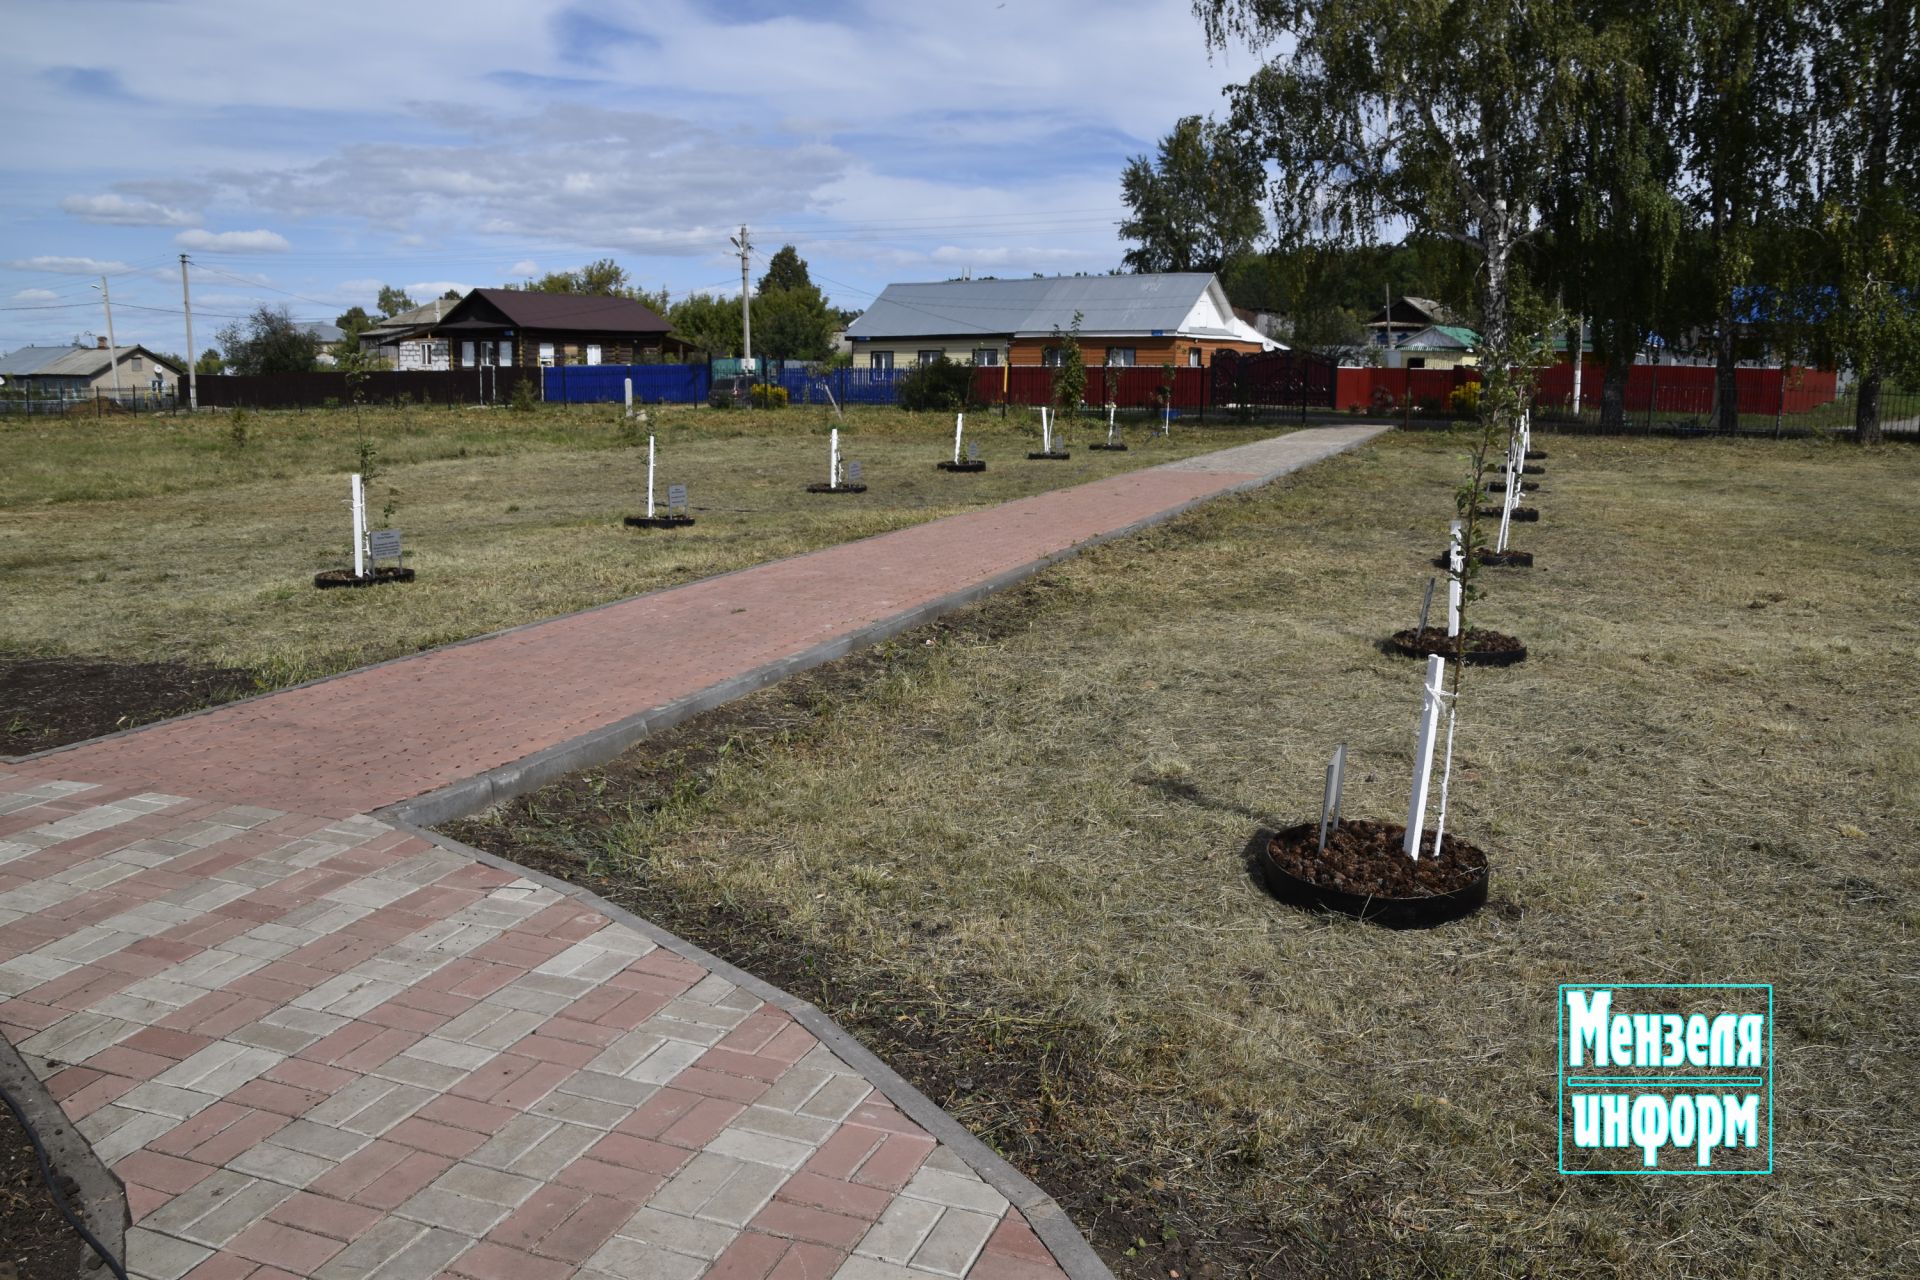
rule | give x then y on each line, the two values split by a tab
309	154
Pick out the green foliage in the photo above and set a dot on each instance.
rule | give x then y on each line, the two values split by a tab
708	323
1465	400
791	324
209	363
237	428
268	341
1070	375
523	399
1196	205
767	395
353	322
393	301
941	385
786	270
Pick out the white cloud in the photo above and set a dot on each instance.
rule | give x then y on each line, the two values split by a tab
117	210
526	268
65	266
426	291
261	241
36	295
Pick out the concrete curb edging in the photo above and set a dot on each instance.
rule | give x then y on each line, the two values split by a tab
102	1200
1048	1220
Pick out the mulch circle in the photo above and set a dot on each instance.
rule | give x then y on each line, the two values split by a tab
1520	514
1058	455
1532	471
1366	873
1500	486
658	522
845	488
1495	559
961	466
1533	454
1484	648
345	578
1109	448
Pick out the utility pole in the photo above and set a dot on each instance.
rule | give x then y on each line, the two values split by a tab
745	246
113	349
193	362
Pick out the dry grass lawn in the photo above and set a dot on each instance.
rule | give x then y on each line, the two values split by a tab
1007	851
162	539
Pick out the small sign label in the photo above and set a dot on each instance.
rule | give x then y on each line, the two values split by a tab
853	473
973	451
677	496
384	544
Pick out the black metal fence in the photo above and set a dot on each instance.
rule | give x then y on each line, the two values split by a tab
486	385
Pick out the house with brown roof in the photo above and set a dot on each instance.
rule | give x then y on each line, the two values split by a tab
524	328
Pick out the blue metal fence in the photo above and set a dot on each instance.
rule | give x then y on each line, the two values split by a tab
607	383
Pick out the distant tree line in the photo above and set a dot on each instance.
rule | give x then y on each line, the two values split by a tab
1737	176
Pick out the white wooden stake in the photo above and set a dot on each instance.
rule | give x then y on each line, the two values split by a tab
1423	754
649	476
630	405
959	424
357	499
1046	430
1110	412
1446	780
1456	565
833	461
1166	422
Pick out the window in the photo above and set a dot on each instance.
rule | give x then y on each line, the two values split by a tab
1120	357
593	353
1416	362
546	353
466	355
506	353
987	356
1193	357
1050	357
134	363
928	357
880	360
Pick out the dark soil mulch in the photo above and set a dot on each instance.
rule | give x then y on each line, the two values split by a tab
1495	559
50	702
971	466
1500	486
1523	515
845	488
379	576
1109	448
658	522
1366	858
1484	648
1058	455
35	1241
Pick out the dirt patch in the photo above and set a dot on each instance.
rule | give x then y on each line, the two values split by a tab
1365	857
50	702
1483	648
35	1241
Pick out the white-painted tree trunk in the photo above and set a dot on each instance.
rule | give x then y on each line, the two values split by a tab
1456	565
357	499
1110	412
833	460
959	425
649	477
630	405
1423	754
1046	430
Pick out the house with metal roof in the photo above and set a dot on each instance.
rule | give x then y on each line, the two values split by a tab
405	340
526	328
1438	346
78	372
1175	318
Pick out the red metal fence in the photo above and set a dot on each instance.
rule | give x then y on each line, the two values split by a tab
1666	388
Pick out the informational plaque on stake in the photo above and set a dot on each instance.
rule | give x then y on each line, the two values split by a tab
853	473
676	497
384	544
973	451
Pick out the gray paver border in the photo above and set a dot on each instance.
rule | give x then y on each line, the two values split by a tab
103	1198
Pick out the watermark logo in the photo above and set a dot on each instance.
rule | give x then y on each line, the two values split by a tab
1666	1078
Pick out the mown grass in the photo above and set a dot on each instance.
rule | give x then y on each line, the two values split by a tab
163	538
1024	829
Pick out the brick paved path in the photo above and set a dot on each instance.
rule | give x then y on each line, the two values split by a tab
313	1043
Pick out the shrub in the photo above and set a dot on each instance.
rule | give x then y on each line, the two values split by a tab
943	384
1465	400
237	429
523	401
765	395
